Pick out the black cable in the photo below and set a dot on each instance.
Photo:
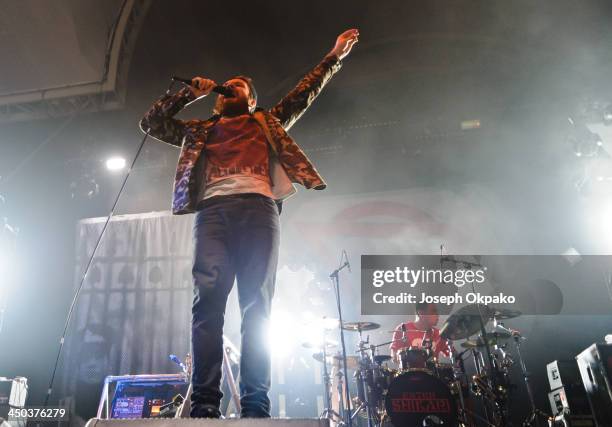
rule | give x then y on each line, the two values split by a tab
89	262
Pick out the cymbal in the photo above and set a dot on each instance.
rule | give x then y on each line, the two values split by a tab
360	326
319	345
319	357
352	362
493	338
504	313
380	358
465	322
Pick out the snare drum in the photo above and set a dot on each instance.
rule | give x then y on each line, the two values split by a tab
377	380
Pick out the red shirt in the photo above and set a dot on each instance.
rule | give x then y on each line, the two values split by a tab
236	146
414	338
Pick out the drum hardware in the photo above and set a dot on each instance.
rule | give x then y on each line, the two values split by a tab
491	382
498	313
452	376
493	339
371	377
335	278
340	390
328	345
466	322
474	318
379	359
459	378
481	387
360	326
336	360
533	417
366	372
376	383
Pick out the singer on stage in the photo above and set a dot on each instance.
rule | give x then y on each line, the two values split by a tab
234	170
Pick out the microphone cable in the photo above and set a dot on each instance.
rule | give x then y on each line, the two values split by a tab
90	261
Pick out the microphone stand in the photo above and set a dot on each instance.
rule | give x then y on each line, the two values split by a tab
336	281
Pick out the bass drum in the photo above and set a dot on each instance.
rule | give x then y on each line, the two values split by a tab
417	398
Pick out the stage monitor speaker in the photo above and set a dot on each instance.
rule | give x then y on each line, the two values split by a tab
595	364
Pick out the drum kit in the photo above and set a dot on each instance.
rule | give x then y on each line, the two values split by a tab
421	390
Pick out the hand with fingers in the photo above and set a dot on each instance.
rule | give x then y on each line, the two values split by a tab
344	43
201	86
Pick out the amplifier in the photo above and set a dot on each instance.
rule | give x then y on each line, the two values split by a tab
595	364
569	400
565	420
13	393
563	373
139	396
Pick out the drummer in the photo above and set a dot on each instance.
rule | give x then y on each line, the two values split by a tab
420	333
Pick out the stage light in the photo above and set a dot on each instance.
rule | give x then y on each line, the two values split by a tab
4	263
572	256
583	141
470	124
607	115
599	173
115	163
282	333
7	264
84	187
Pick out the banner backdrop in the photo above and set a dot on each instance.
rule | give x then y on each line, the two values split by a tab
135	306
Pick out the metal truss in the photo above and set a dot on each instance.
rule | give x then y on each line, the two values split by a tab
106	94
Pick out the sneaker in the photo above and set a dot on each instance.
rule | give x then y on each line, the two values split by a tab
204	411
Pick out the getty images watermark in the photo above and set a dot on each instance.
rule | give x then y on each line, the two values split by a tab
530	284
426	279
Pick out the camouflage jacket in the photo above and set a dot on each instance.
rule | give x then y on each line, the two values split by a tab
288	163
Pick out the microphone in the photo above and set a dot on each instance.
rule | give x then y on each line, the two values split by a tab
176	360
348	264
221	90
404	339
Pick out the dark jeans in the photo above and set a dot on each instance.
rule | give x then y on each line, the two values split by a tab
235	237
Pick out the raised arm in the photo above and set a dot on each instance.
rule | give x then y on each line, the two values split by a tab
159	121
296	102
